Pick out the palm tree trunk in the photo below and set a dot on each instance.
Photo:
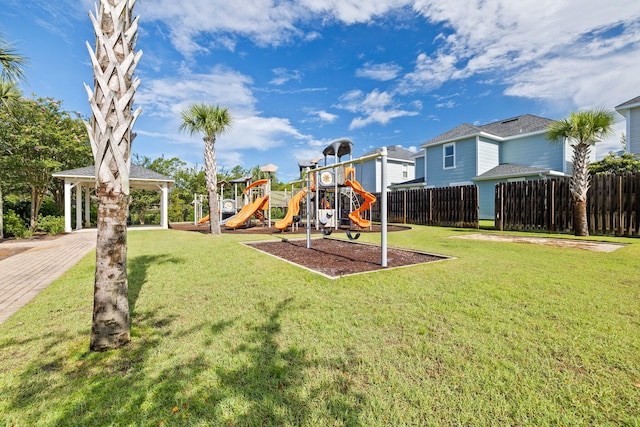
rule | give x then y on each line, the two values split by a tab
110	133
579	187
110	327
580	224
1	214
211	172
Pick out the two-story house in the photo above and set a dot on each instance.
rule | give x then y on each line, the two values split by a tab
507	150
631	112
400	167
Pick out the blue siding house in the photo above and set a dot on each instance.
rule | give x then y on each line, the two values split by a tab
401	166
514	149
631	112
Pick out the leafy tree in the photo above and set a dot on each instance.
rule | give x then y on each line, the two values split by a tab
611	163
110	132
37	139
582	130
211	122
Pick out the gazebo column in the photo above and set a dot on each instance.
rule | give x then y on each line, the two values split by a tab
87	207
68	186
164	205
79	206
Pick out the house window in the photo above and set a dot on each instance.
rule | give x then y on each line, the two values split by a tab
449	158
405	170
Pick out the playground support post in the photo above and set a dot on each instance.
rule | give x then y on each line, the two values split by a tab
383	208
308	172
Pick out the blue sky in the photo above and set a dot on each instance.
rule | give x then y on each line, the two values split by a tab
298	74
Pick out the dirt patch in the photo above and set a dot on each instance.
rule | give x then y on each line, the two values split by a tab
9	250
335	258
10	246
564	243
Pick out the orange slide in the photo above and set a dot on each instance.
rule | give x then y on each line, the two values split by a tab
245	213
369	199
292	210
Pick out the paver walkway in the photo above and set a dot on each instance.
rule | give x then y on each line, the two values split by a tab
24	275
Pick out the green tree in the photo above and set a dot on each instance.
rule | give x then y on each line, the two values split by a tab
111	134
581	130
37	139
611	163
210	122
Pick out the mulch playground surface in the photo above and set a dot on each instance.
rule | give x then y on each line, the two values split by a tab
330	257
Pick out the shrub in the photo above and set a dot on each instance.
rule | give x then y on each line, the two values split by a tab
14	226
51	224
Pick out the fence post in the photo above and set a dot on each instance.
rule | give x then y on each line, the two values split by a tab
620	228
552	207
501	207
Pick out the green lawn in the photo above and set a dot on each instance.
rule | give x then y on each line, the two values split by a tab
505	334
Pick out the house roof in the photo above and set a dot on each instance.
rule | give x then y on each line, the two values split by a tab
136	173
622	108
394	152
503	129
410	183
509	170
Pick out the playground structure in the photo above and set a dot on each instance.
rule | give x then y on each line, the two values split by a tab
255	201
334	192
258	202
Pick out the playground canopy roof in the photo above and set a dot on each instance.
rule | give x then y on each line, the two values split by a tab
339	147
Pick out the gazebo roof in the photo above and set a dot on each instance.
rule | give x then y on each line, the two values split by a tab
140	177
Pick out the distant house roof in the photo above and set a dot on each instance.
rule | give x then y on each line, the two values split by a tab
418	182
509	170
622	108
503	129
394	152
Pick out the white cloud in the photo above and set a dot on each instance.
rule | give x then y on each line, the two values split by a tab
163	99
282	75
374	107
324	116
570	52
380	72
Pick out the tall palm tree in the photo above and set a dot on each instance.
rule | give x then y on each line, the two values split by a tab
581	130
110	132
12	63
211	122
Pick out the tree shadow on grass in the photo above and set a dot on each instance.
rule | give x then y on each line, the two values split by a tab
150	383
137	270
273	382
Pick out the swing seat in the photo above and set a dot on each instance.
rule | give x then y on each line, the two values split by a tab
351	237
327	232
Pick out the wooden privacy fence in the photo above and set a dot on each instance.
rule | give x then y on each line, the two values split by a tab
613	205
446	207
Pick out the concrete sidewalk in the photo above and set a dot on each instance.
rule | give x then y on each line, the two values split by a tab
24	275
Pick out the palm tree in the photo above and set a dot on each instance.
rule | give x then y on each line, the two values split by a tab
581	130
110	132
12	63
209	121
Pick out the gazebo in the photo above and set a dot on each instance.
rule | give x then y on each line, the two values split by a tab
85	178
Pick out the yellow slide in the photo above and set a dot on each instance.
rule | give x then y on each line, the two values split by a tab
369	199
292	210
245	213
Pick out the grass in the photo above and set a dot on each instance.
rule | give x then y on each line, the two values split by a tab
506	334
